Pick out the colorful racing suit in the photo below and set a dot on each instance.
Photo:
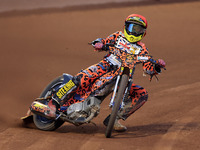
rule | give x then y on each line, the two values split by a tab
87	79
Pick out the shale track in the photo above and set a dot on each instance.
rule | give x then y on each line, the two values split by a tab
38	47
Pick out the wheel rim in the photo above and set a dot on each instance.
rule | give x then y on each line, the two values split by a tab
43	119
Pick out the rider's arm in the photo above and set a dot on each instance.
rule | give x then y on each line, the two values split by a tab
148	67
110	39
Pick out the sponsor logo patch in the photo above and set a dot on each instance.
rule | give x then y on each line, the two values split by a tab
39	107
68	86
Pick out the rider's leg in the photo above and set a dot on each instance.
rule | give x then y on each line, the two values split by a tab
83	79
137	97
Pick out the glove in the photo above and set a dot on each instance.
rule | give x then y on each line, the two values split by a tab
161	62
157	68
98	46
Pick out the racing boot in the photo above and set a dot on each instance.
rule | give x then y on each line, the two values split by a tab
117	125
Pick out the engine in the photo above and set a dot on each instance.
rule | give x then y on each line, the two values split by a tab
84	111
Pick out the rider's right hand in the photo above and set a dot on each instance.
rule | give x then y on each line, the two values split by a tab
98	46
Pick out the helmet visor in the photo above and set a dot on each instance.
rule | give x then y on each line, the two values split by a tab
134	29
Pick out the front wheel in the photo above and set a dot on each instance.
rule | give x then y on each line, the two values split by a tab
43	123
117	102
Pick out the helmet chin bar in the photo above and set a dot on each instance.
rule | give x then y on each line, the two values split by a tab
132	38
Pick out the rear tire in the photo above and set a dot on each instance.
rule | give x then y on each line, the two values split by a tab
43	123
120	93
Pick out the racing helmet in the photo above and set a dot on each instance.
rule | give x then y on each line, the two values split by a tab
135	28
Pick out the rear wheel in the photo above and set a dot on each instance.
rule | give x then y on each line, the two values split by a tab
117	102
43	123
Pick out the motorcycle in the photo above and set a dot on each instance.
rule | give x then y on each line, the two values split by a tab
124	60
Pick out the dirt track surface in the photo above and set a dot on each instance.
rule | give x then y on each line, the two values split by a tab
11	5
39	47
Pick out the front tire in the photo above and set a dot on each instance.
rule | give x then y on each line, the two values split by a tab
120	93
43	123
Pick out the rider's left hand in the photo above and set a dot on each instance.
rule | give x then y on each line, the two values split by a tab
161	62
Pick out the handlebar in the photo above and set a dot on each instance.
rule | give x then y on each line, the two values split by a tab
105	47
147	58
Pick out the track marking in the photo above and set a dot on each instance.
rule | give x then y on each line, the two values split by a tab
180	88
169	139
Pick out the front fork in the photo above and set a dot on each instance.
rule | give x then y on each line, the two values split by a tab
126	93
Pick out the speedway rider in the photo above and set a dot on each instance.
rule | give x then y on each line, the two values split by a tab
134	30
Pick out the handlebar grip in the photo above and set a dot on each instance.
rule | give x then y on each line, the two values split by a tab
106	46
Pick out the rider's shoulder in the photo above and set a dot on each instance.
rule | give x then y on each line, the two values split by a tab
141	44
118	33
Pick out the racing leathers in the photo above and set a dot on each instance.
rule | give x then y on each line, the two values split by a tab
105	72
